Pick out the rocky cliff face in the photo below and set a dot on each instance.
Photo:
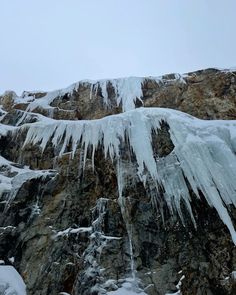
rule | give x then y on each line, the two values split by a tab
83	211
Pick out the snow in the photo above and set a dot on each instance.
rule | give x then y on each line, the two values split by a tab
178	286
12	259
204	153
233	275
70	230
11	184
11	282
127	288
4	129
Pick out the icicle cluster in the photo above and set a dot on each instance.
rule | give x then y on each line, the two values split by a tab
203	155
13	176
127	92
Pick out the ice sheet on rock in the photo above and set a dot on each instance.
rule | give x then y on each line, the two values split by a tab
4	129
12	177
203	155
127	91
127	288
11	282
2	113
70	230
178	286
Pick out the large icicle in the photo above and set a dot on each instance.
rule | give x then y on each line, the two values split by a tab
127	91
204	152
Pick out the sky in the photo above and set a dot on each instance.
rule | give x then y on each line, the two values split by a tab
49	44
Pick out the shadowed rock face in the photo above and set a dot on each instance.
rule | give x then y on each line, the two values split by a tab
67	233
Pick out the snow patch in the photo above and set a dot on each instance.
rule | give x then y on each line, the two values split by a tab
11	282
127	288
70	230
12	177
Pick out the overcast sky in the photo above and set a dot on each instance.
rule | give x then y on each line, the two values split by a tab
49	44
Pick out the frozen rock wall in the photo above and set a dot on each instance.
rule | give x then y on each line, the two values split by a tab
121	200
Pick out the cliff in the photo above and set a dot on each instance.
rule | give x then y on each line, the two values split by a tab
124	186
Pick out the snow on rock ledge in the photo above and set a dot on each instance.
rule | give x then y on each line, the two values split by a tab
203	155
11	282
12	178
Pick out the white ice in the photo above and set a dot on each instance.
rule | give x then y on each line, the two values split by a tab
204	153
11	283
11	185
127	91
127	288
70	230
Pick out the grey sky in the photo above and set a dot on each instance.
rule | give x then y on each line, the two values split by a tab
49	44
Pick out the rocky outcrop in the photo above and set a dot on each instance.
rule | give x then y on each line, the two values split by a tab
67	228
205	94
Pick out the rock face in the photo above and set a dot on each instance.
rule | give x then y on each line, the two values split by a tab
65	226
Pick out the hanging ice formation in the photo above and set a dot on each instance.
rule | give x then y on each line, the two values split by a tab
127	91
203	154
13	177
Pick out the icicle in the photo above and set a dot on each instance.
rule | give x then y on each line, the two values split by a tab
203	155
51	112
127	91
91	92
132	264
103	85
